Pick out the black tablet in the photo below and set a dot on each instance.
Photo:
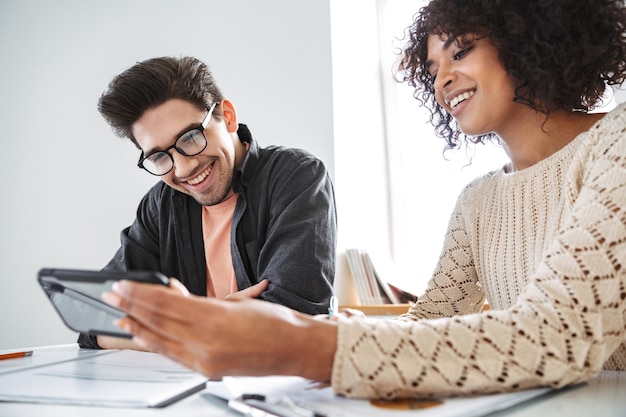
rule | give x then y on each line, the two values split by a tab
76	296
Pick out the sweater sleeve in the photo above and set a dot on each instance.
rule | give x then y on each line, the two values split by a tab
561	330
454	287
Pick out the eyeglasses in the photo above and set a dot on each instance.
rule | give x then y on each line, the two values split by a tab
190	143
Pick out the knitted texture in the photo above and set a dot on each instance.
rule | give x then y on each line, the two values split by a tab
546	246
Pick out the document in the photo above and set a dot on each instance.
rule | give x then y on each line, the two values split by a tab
297	393
111	378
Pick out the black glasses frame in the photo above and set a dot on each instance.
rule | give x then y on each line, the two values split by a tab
200	128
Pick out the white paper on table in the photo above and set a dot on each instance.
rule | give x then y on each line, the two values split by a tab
113	378
322	400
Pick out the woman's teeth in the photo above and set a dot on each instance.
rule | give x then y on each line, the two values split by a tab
200	177
461	97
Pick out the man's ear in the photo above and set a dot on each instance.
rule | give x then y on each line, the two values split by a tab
230	116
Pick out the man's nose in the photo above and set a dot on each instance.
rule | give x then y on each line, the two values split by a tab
183	165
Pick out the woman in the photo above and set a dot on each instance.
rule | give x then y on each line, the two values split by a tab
543	239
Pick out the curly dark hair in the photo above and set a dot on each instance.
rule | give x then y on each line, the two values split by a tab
150	83
562	53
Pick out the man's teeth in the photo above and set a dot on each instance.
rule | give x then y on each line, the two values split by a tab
461	97
200	177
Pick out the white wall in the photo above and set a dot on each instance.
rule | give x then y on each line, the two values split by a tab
360	172
68	184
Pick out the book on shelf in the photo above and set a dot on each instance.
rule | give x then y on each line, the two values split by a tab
372	288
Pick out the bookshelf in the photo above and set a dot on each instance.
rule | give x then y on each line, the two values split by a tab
371	283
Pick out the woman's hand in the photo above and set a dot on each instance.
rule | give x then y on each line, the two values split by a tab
109	342
237	336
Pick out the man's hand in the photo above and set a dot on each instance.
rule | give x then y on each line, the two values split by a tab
253	291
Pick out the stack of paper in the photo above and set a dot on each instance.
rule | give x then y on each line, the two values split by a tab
318	399
111	378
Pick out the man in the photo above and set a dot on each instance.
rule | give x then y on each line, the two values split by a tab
228	215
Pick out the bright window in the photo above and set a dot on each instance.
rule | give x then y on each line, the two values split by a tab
424	182
395	188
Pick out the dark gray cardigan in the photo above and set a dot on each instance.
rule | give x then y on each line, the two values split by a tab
284	229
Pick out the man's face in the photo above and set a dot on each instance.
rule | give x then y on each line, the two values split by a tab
208	176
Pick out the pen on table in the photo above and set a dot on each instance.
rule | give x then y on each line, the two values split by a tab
13	355
334	306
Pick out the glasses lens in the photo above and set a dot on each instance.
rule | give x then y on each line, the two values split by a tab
158	163
191	143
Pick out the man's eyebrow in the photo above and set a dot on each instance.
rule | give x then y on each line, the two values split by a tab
189	127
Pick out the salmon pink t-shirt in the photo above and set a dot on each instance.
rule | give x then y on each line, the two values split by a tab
216	224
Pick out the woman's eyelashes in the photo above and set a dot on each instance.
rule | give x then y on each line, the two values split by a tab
456	56
462	53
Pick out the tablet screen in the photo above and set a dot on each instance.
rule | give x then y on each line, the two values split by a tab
76	296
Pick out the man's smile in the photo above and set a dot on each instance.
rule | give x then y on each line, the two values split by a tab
201	177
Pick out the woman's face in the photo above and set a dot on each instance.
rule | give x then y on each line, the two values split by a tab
472	84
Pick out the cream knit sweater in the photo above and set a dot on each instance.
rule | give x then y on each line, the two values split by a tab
546	246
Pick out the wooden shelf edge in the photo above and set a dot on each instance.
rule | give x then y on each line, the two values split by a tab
380	309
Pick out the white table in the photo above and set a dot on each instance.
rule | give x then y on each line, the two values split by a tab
604	396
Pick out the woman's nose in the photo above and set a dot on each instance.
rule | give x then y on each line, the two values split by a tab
444	77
